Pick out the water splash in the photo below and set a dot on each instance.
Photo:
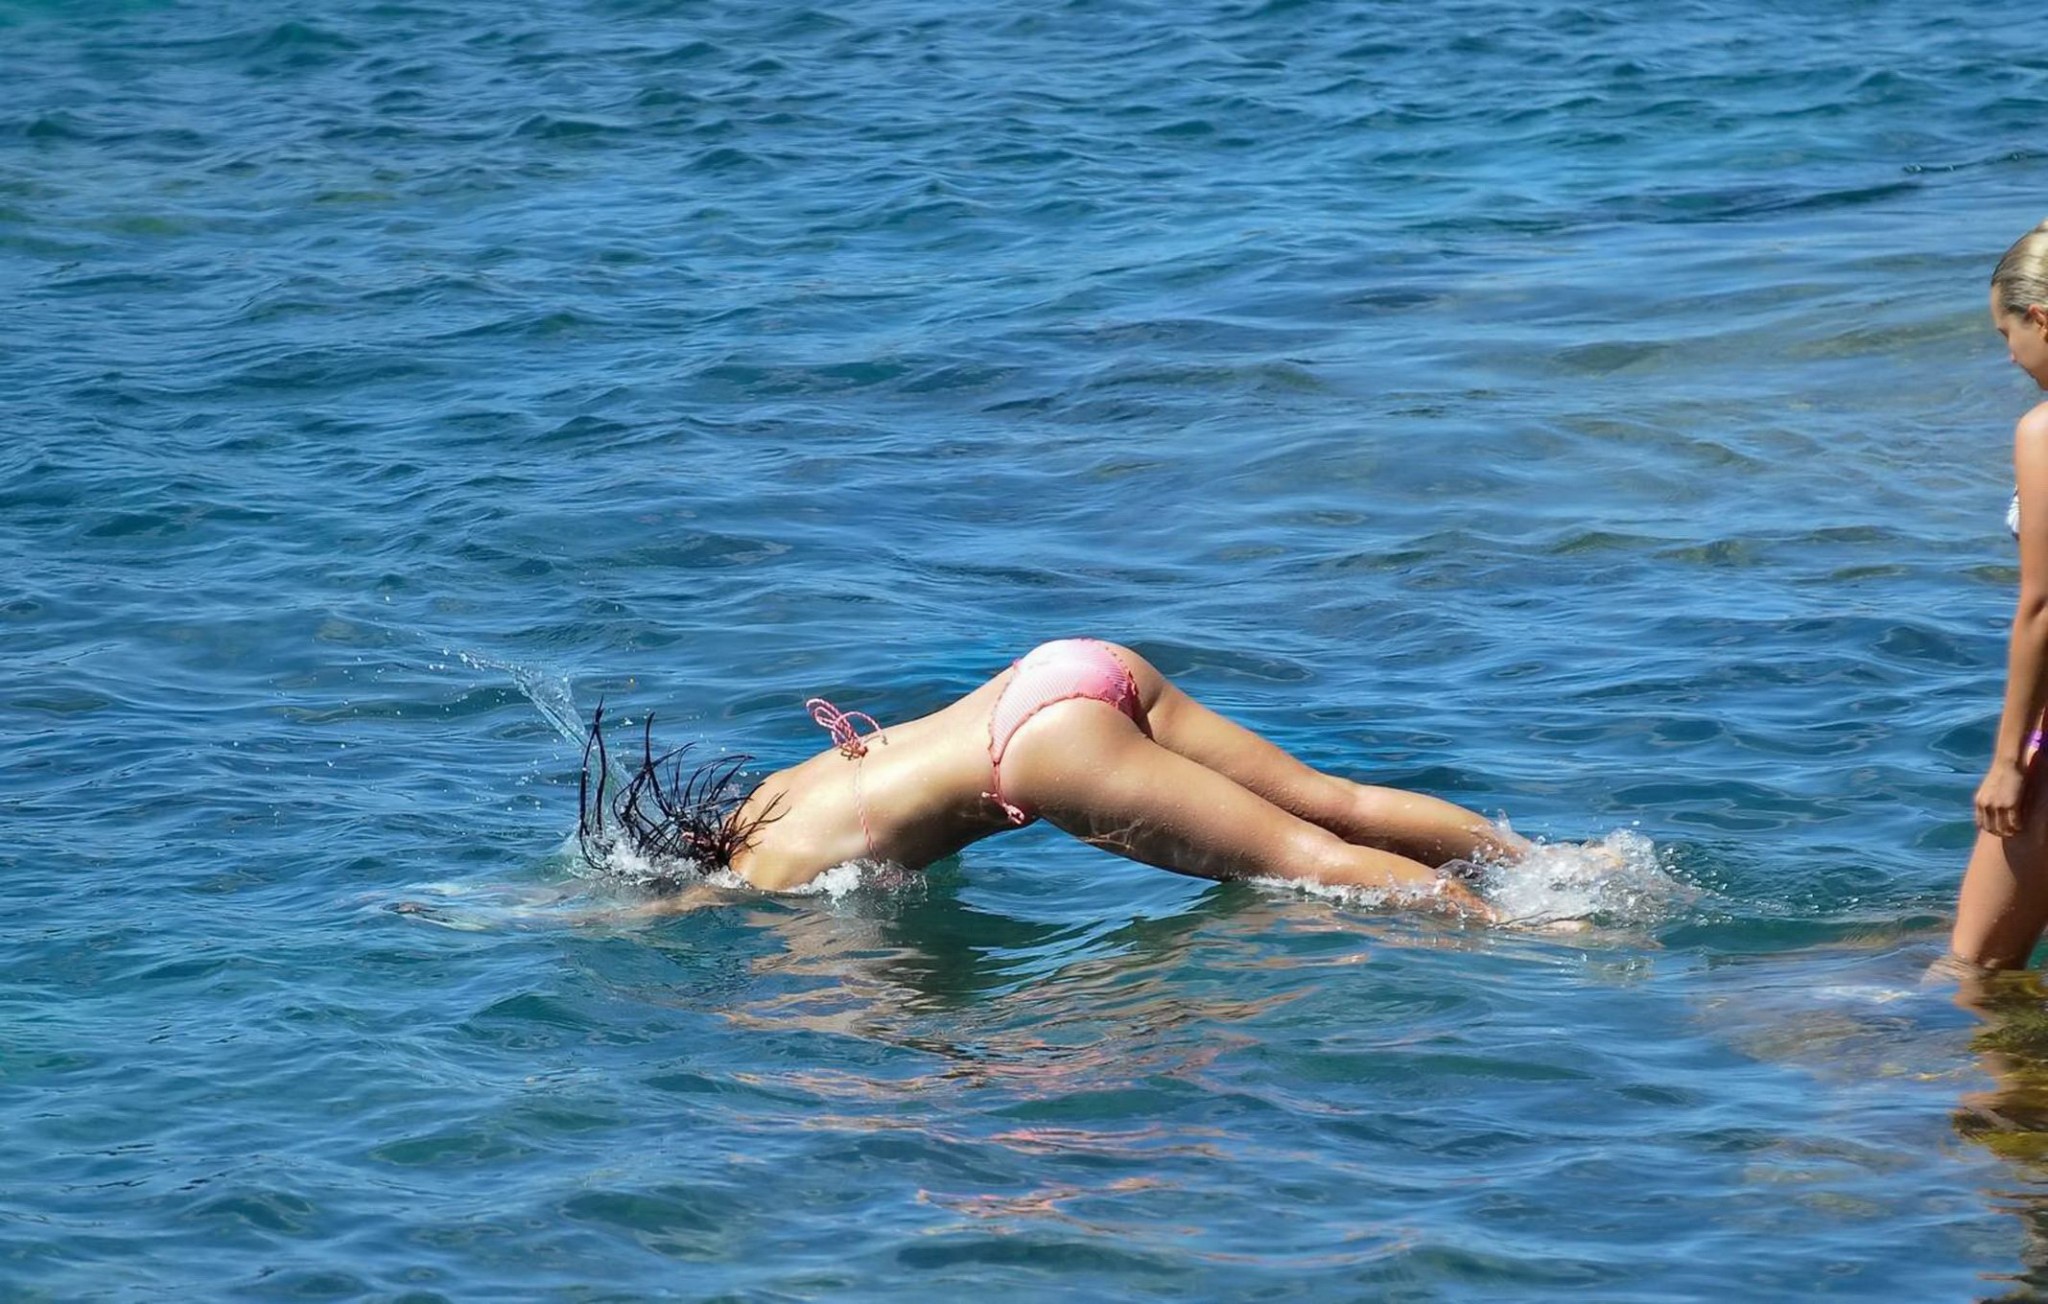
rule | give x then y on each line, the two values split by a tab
843	880
1617	879
621	865
1361	898
548	690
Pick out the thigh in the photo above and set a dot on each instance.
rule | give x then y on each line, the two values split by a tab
2002	905
1424	828
1088	770
1187	728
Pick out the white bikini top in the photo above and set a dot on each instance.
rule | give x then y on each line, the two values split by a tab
2012	514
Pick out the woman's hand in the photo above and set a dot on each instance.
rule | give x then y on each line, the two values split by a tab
1998	799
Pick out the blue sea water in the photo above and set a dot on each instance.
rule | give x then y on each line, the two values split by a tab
1582	411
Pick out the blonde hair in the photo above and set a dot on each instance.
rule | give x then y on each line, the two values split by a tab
2021	278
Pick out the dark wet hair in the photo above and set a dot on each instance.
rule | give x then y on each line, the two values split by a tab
681	824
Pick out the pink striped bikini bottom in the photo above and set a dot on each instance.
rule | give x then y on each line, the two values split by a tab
1057	672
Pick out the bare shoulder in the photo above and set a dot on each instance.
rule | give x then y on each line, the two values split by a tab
776	859
2033	427
2030	458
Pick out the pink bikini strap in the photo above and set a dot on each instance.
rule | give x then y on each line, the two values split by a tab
1016	814
852	744
841	725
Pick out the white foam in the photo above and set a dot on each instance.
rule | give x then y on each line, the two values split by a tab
625	866
843	879
1864	993
1360	898
1618	879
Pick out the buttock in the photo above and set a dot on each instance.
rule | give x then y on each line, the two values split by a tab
1060	671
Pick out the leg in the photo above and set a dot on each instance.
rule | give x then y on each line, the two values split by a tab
2003	904
1421	828
1085	767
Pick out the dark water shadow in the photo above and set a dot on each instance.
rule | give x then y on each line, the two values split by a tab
2010	1118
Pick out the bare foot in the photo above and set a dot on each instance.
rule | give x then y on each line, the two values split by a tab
1455	897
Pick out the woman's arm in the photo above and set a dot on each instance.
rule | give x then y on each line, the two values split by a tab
2000	794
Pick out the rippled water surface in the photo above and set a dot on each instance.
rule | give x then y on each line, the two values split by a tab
1584	412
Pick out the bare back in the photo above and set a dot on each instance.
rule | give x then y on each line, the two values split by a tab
917	795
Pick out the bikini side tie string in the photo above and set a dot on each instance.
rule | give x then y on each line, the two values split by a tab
841	725
852	744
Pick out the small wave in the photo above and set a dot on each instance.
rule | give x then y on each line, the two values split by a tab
476	907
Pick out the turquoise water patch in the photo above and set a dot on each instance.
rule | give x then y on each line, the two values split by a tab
1585	415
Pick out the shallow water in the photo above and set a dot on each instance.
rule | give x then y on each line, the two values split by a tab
1583	413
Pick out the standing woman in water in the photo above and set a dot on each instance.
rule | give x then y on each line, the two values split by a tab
2003	905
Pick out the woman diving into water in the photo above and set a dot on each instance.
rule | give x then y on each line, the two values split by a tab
1081	733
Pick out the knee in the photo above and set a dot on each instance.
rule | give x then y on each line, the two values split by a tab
1318	854
1372	808
1364	814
